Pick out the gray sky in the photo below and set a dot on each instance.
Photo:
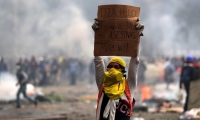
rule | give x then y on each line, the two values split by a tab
35	27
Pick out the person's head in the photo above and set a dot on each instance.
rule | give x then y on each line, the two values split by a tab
117	63
190	59
18	66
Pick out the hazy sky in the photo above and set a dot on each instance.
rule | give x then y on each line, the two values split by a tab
35	27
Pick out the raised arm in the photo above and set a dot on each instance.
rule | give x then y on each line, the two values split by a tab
132	74
99	70
134	63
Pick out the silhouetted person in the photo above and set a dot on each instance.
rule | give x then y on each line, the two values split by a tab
187	75
169	70
22	78
73	71
141	72
26	66
92	72
54	71
33	69
3	65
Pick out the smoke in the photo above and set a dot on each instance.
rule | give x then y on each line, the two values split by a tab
36	27
39	26
9	89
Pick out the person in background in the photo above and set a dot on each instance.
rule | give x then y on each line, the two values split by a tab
116	92
141	72
73	70
22	78
25	65
187	75
33	69
3	65
54	71
169	70
92	72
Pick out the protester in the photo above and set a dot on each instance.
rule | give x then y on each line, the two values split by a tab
44	71
26	66
187	75
116	92
196	70
54	71
169	70
73	71
3	65
22	78
33	70
92	72
141	72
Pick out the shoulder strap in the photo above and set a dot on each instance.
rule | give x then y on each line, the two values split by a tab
128	95
127	92
100	92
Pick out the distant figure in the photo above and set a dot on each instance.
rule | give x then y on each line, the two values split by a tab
22	78
196	70
20	61
169	70
187	75
33	69
26	66
42	71
3	65
92	72
73	69
141	72
54	71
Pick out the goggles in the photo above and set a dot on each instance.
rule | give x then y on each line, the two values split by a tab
114	66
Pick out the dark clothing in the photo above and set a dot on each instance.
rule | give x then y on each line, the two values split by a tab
92	68
92	72
141	72
54	67
73	69
118	115
21	76
33	70
22	81
187	75
25	67
3	67
169	72
197	72
22	90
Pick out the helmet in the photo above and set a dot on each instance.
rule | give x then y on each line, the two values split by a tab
119	61
190	58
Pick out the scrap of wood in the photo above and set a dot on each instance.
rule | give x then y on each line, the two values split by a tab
172	109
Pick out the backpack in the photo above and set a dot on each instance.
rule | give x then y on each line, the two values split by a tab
185	75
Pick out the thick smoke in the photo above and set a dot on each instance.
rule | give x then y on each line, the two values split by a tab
35	27
9	89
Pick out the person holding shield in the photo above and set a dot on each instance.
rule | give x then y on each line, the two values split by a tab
116	91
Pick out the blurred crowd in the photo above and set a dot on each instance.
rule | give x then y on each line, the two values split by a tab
179	72
44	71
51	70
